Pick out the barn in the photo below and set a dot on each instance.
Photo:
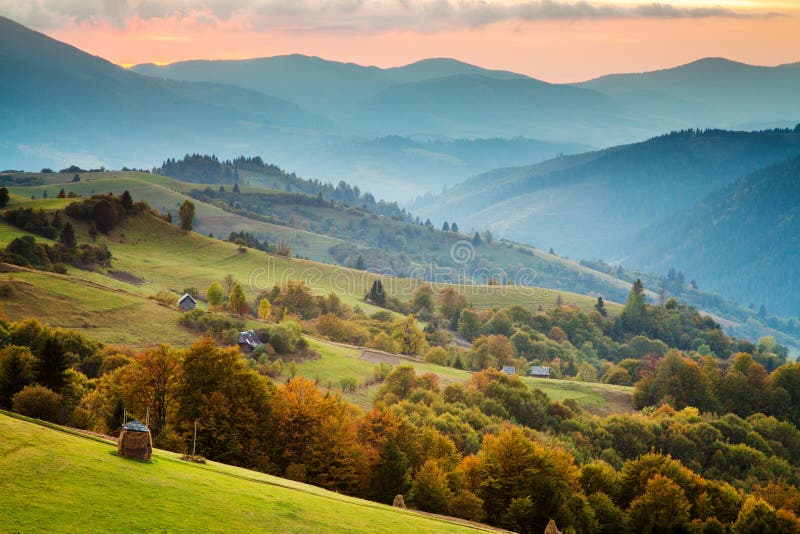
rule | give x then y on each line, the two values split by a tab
187	302
538	371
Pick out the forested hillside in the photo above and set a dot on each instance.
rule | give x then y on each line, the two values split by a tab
743	241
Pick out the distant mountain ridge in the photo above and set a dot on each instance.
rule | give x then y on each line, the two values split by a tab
716	88
592	204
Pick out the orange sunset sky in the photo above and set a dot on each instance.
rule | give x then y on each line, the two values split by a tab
548	39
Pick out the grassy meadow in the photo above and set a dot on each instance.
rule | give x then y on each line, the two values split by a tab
47	475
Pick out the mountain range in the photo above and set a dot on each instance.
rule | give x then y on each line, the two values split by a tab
349	117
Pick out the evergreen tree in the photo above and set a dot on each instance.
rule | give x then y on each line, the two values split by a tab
235	188
634	315
476	239
600	306
67	237
360	264
445	227
127	201
454	227
376	293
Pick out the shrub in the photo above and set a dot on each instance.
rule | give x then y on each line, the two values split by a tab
39	402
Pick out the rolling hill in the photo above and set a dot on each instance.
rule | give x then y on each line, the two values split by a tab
329	234
49	472
742	241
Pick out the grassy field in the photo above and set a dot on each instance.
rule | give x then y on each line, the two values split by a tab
337	362
58	481
166	194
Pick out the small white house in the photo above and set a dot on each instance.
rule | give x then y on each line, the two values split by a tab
509	370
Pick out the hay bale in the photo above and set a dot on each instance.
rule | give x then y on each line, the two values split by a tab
399	502
551	528
135	444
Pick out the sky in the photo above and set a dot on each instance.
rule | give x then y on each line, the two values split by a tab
553	40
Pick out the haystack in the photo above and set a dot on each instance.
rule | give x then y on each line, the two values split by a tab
135	441
399	502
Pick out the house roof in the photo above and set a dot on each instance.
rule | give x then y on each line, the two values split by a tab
540	371
186	296
509	370
249	337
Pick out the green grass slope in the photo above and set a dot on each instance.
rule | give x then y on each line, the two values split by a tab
63	482
331	235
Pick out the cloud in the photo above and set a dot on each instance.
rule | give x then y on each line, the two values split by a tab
346	15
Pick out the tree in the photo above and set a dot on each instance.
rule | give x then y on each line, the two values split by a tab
53	363
127	201
17	370
264	309
4	197
104	215
67	237
186	215
445	227
662	508
429	491
469	324
235	188
214	294
600	306
454	228
476	239
76	178
230	403
151	382
39	402
451	302
237	303
634	315
376	293
360	263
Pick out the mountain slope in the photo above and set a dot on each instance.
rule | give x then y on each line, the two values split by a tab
50	473
743	241
57	100
717	89
592	205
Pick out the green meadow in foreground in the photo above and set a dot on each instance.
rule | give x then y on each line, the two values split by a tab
63	482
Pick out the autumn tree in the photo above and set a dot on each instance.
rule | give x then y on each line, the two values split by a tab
429	491
408	336
186	215
264	309
237	303
662	508
229	402
214	295
151	382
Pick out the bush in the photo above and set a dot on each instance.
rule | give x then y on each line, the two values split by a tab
287	338
40	403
